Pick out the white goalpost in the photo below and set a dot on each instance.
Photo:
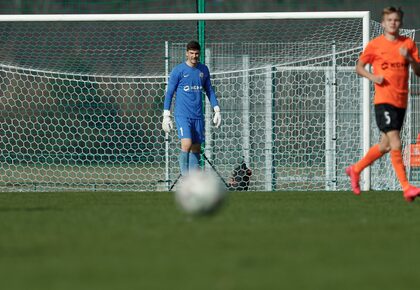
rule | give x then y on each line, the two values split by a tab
82	98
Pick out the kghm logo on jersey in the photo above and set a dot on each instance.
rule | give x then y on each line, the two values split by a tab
394	65
193	88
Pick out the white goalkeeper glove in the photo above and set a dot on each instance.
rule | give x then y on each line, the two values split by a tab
167	125
217	118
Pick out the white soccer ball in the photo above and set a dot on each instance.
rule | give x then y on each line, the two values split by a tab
200	192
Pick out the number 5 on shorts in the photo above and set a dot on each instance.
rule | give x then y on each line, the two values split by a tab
387	118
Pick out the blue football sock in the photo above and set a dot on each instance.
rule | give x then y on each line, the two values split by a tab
183	162
194	161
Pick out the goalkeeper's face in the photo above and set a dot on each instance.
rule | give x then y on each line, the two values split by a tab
193	57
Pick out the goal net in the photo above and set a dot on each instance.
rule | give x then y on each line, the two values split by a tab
82	99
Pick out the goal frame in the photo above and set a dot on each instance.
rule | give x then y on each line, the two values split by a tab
364	15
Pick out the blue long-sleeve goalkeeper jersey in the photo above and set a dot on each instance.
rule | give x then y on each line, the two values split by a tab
188	83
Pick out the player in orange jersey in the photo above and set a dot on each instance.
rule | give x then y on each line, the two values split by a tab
390	55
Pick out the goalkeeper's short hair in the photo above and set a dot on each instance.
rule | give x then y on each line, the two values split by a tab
193	45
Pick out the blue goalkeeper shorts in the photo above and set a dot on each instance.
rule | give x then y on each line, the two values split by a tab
191	129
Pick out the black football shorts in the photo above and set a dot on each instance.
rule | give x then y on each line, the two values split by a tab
389	117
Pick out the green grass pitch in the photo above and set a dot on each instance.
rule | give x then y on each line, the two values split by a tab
275	240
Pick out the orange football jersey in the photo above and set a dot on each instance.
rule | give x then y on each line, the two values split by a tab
386	60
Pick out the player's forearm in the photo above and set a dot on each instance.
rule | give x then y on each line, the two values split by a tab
363	72
213	100
211	95
167	104
416	67
168	97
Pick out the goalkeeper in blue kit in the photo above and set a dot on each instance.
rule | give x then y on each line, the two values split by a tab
188	80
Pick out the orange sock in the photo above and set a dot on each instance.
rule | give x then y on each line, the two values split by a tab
372	155
397	163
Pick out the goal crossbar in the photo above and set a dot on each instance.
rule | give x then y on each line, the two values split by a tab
185	16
